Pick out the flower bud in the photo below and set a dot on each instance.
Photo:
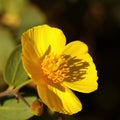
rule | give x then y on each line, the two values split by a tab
37	108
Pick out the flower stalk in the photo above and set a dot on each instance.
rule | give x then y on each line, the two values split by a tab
11	91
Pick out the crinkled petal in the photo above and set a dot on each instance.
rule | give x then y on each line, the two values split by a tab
44	37
83	74
59	99
31	61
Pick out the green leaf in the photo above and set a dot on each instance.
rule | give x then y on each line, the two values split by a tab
13	110
14	72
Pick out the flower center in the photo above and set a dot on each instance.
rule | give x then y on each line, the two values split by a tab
55	68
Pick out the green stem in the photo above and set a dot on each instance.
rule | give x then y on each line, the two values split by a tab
23	84
11	91
16	93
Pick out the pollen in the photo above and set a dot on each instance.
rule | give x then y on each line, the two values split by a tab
55	68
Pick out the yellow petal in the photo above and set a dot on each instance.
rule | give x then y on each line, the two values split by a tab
83	74
44	37
84	82
75	48
59	99
31	61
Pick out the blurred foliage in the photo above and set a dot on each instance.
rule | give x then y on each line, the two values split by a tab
95	22
15	17
11	6
7	44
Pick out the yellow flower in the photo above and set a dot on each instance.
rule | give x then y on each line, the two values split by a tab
56	68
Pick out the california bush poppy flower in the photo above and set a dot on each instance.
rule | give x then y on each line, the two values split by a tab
57	68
